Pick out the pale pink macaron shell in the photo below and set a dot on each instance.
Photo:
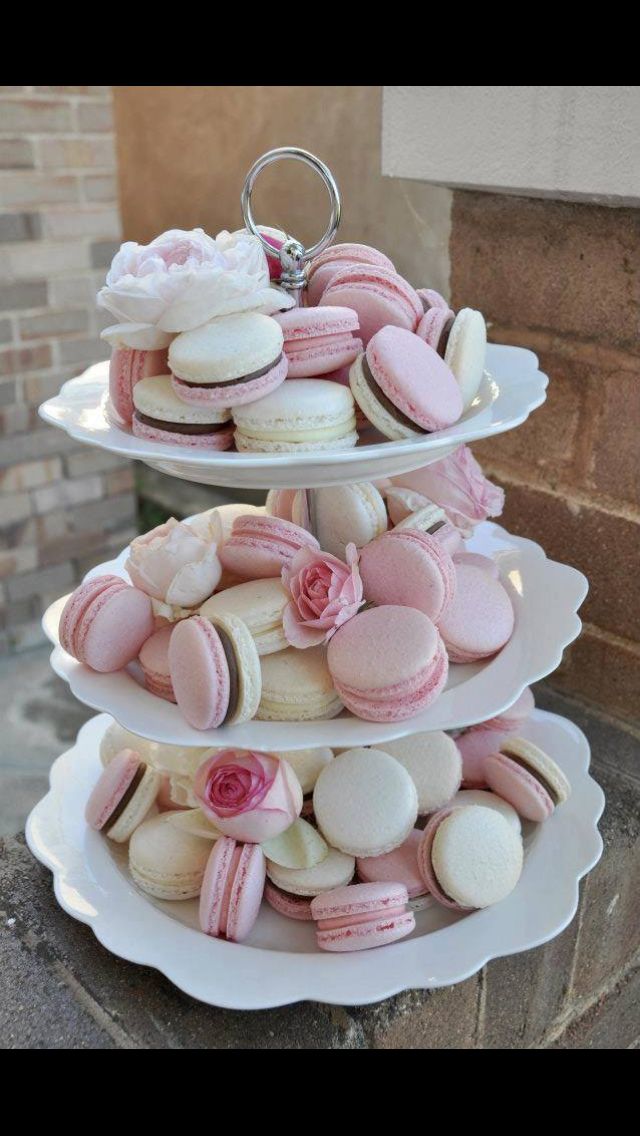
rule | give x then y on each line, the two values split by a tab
319	340
380	298
112	785
362	916
476	745
218	440
519	787
415	379
432	299
232	393
487	563
425	865
398	866
154	660
259	547
409	568
285	903
128	365
432	325
480	620
515	715
106	630
199	673
325	266
396	657
77	604
280	503
232	889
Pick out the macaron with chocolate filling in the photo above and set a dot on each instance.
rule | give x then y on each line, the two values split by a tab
230	361
215	671
160	416
403	386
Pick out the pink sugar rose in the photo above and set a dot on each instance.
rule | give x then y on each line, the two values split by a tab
325	593
458	485
177	563
249	796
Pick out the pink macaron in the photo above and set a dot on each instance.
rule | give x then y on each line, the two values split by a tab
325	266
154	661
487	563
127	367
259	547
437	321
285	903
478	742
319	340
232	889
403	386
398	866
379	296
215	670
361	916
388	663
429	298
528	778
410	568
105	622
480	619
122	796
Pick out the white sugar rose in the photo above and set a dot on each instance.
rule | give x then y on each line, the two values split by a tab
182	280
177	563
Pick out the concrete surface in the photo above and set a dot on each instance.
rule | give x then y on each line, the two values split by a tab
580	143
60	989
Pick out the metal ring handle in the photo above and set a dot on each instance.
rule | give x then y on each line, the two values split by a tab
293	152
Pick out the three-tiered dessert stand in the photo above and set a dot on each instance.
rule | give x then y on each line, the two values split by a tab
279	962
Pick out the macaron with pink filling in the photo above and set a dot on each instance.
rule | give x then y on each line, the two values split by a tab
362	916
379	296
288	904
123	795
426	518
105	622
325	266
403	386
230	361
232	889
410	568
388	663
480	619
154	661
260	546
526	777
128	366
470	857
319	340
160	416
215	671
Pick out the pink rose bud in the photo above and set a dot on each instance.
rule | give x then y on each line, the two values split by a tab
249	796
325	593
458	485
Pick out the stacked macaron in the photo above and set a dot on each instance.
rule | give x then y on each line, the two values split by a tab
211	382
387	830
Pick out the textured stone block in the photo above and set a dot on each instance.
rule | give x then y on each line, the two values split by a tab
95	116
30	475
19	227
16	154
67	494
56	578
53	324
14	360
23	294
30	188
77	152
36	116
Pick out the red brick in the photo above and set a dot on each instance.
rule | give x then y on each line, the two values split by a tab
614	467
16	360
604	670
559	265
603	546
547	440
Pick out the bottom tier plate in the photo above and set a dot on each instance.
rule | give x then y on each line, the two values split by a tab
280	962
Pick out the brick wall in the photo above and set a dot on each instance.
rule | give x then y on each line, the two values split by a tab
564	280
62	507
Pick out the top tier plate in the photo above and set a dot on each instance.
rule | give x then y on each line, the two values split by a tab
512	387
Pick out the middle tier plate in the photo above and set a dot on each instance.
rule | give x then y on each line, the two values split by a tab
512	387
545	595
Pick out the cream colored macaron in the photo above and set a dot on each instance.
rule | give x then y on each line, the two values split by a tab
260	604
297	686
336	870
433	761
300	415
365	803
166	861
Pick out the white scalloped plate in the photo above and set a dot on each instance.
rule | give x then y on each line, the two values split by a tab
506	397
545	595
280	962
